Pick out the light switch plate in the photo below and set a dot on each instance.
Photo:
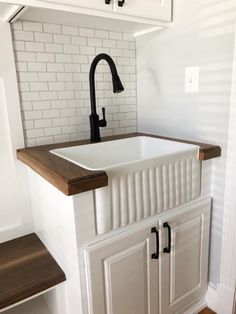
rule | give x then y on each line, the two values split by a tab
192	80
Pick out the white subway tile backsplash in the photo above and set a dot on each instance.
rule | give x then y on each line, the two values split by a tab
73	86
28	124
69	67
66	95
52	28
47	76
59	104
25	106
69	129
19	45
43	123
41	141
86	50
86	32
38	86
37	67
95	42
32	115
71	49
27	96
116	52
109	43
25	56
56	86
63	58
116	36
62	39
17	25
79	41
34	133
22	35
123	44
27	76
23	86
43	38
60	121
80	59
32	26
53	63
48	95
45	57
21	66
52	131
101	34
40	105
69	30
64	77
55	67
53	48
52	113
33	46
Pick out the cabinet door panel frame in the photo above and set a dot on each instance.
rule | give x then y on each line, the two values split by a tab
101	259
193	219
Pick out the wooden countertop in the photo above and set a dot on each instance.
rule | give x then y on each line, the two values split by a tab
26	269
72	179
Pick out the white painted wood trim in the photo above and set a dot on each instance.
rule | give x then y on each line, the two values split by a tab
211	298
30	298
220	300
196	308
13	112
9	12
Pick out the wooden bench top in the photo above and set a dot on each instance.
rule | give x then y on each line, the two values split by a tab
26	269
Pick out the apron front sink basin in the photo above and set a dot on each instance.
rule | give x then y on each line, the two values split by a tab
146	176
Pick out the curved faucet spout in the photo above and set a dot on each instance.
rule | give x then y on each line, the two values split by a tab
95	123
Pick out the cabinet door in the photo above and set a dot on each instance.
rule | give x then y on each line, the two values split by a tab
122	278
183	271
153	9
92	4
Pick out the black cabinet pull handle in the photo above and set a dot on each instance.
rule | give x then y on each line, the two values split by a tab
121	3
156	255
108	1
168	248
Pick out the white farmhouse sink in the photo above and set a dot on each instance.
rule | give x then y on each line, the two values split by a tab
146	176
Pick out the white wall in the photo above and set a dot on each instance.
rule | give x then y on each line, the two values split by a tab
202	35
15	211
226	287
53	63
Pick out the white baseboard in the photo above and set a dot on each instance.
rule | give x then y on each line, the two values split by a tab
198	307
220	300
212	298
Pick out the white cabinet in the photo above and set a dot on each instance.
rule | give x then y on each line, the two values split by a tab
183	270
151	9
123	277
93	4
140	11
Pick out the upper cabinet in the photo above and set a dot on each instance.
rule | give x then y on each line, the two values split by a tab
153	12
160	10
100	5
151	9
